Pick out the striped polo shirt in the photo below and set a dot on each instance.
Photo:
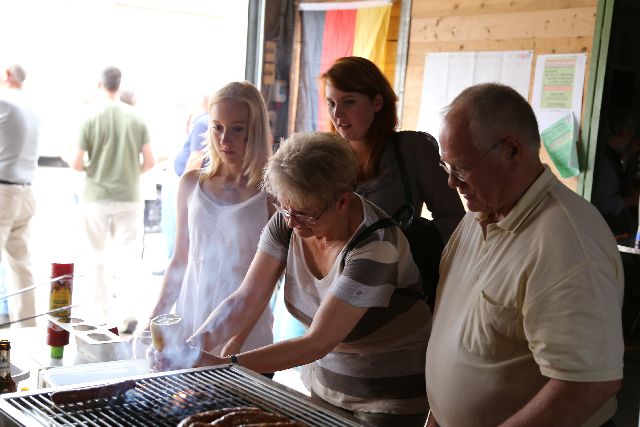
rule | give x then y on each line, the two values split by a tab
380	365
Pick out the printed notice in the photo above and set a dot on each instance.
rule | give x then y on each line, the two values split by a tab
558	83
446	74
559	140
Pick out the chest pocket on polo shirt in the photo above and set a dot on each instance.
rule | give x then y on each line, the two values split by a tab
490	330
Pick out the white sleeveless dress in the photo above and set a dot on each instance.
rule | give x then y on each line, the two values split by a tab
223	240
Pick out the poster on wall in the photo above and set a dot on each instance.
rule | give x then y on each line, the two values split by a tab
557	101
446	74
559	141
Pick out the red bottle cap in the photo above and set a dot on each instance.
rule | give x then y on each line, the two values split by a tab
56	336
60	269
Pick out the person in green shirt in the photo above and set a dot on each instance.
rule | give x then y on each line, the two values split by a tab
111	140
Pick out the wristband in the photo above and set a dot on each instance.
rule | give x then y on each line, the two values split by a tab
234	359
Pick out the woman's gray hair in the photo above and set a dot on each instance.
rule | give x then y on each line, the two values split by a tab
311	170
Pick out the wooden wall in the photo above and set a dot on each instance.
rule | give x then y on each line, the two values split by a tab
392	42
543	26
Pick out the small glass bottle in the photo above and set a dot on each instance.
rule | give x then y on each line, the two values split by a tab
7	384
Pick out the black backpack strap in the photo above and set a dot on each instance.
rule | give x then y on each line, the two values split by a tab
362	235
405	214
402	168
382	223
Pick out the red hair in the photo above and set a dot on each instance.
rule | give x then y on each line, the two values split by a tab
356	74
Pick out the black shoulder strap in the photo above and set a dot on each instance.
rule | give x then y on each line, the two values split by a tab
363	234
382	223
405	213
403	168
366	232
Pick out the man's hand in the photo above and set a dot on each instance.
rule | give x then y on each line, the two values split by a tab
564	403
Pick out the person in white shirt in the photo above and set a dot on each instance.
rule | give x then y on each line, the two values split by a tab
19	127
527	325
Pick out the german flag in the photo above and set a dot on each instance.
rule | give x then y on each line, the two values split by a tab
331	31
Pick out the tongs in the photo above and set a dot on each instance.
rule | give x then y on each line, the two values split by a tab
53	279
55	310
64	276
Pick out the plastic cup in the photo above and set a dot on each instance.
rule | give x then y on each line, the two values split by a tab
166	330
142	344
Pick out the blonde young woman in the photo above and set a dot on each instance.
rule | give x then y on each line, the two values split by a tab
221	212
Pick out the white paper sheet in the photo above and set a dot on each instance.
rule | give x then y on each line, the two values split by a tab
547	66
558	85
446	74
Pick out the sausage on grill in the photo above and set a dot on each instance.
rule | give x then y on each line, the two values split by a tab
289	423
238	418
205	418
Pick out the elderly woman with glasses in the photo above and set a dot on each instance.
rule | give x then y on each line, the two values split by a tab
364	349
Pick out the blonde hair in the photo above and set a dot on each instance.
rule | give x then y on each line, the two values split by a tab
311	169
259	136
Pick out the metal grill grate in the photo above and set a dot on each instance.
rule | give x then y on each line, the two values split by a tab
166	399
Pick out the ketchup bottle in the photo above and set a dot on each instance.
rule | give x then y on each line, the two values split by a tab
60	296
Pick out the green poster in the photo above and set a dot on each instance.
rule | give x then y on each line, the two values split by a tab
560	141
557	83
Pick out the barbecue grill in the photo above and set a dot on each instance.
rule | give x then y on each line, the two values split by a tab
164	399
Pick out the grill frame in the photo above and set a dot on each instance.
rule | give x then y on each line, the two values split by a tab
232	384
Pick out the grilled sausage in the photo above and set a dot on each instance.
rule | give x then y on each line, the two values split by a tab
66	397
205	418
290	423
238	418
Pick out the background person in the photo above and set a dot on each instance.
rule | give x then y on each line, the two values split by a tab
19	130
221	213
113	137
128	97
191	156
366	340
615	199
194	150
527	324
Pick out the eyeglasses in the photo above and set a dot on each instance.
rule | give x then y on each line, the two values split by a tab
462	175
305	219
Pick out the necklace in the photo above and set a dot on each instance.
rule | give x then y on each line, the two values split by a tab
226	187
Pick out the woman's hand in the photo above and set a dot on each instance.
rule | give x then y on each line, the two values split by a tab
175	358
208	359
231	347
